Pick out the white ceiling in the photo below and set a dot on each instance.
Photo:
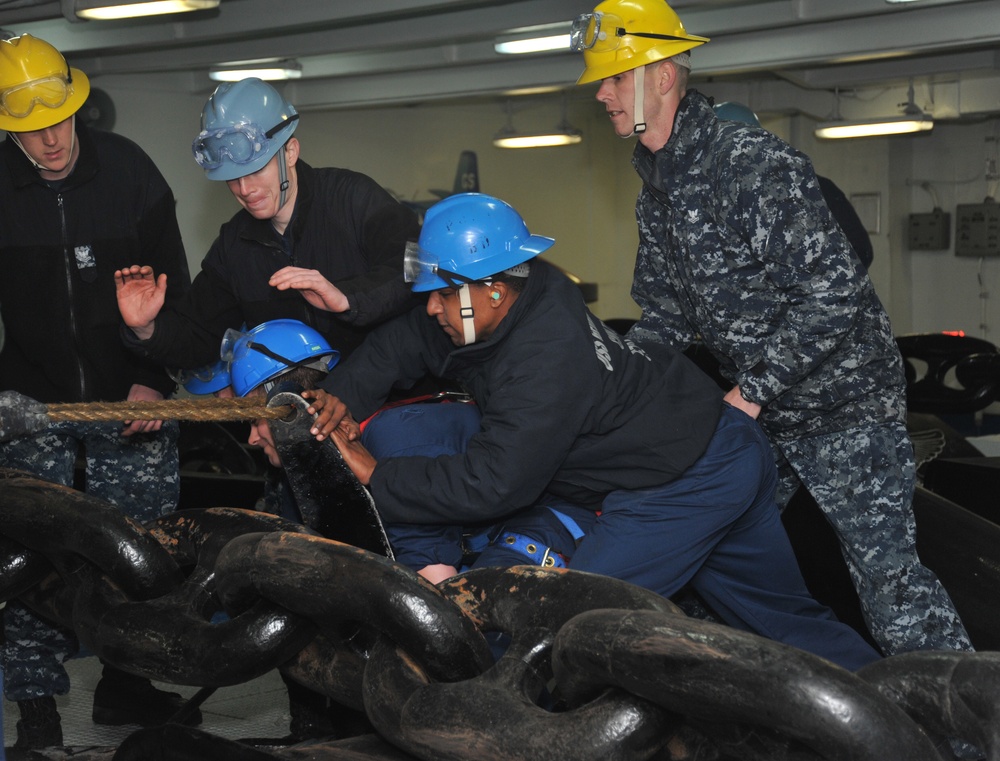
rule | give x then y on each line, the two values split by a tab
353	53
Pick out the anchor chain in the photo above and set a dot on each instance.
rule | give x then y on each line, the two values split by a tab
495	664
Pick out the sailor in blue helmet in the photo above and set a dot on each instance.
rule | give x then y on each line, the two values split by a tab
680	485
324	246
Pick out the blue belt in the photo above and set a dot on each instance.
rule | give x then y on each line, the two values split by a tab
539	553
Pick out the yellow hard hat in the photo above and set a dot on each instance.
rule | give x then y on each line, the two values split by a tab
625	34
37	87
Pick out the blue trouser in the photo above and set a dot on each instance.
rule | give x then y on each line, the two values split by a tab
718	528
435	429
140	474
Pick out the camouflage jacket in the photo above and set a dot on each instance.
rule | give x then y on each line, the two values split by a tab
738	249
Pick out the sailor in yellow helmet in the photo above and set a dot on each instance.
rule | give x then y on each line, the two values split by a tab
738	250
625	35
75	203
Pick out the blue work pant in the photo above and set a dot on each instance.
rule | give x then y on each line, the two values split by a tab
718	528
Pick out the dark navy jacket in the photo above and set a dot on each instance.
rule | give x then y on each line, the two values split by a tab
344	225
60	245
568	407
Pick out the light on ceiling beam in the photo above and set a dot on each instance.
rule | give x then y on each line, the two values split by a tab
913	119
105	10
563	134
532	45
266	70
893	125
533	39
556	137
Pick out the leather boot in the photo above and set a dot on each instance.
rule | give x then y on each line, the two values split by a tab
123	698
39	726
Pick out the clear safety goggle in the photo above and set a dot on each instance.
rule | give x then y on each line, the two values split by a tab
236	344
20	100
603	32
203	374
417	261
240	144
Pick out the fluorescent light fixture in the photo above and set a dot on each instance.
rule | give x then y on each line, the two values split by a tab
533	45
563	134
895	125
533	39
267	70
105	10
556	137
913	119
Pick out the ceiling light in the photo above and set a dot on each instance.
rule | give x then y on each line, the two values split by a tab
104	10
534	39
267	70
913	119
563	134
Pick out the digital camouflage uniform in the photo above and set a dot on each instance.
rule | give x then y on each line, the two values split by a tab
138	473
738	249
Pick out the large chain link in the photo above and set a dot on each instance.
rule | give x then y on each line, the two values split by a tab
584	667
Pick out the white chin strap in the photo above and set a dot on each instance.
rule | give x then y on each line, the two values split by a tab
468	315
637	113
35	164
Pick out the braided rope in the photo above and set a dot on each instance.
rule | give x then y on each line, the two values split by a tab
166	409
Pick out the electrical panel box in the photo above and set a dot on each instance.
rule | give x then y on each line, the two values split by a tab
930	232
977	229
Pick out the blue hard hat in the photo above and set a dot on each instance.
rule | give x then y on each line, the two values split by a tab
272	349
468	237
731	111
204	380
243	125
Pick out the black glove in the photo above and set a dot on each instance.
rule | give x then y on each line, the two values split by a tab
21	415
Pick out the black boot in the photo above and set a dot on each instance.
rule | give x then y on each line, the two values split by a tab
123	698
39	726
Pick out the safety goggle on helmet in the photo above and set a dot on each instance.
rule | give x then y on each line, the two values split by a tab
203	380
50	92
239	144
259	356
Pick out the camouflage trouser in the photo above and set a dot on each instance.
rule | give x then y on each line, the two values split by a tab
139	474
863	481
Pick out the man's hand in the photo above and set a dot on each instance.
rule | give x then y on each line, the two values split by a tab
140	298
358	459
315	288
142	394
332	414
735	398
21	415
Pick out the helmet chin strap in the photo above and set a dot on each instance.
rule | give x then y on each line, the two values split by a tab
282	179
637	112
39	167
468	314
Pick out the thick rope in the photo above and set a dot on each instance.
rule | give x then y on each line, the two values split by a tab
166	409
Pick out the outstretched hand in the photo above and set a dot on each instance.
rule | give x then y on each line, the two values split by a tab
140	297
315	288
